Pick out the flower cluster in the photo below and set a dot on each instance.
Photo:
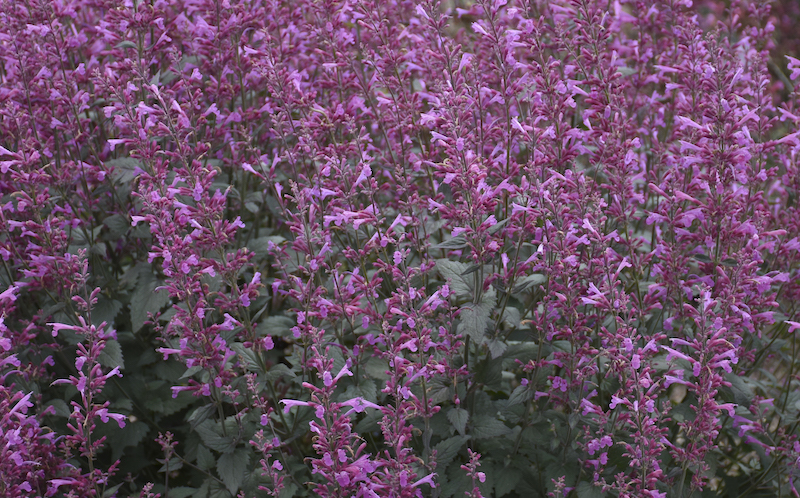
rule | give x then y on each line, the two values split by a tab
399	248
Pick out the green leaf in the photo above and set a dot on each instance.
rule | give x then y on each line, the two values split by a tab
452	243
191	371
117	225
452	272
529	282
181	492
626	71
109	492
278	371
489	373
370	422
497	226
120	438
214	489
487	426
497	347
205	459
472	269
278	325
521	394
160	399
742	390
587	490
779	317
209	433
249	357
457	484
105	311
231	467
366	389
260	245
507	479
376	368
125	44
60	407
289	491
448	449
511	316
145	298
475	318
171	465
124	168
111	356
458	417
52	310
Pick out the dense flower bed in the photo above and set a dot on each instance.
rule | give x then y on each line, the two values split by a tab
381	248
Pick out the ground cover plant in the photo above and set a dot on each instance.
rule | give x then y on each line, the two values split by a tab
379	248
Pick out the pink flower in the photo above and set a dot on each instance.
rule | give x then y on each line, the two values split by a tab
290	403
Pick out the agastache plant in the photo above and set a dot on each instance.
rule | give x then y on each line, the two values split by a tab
399	248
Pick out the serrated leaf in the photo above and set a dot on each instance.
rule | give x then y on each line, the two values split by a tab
289	491
181	492
277	325
125	168
587	490
52	310
365	389
529	282
209	433
511	317
105	311
163	402
125	44
60	407
205	459
457	484
370	422
278	371
452	243
98	249
520	394
507	479
475	318
496	348
447	450
742	391
249	357
488	427
231	467
779	317
117	225
216	489
201	414
452	272
458	417
112	491
471	269
497	226
111	356
626	71
146	299
120	438
171	465
191	371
